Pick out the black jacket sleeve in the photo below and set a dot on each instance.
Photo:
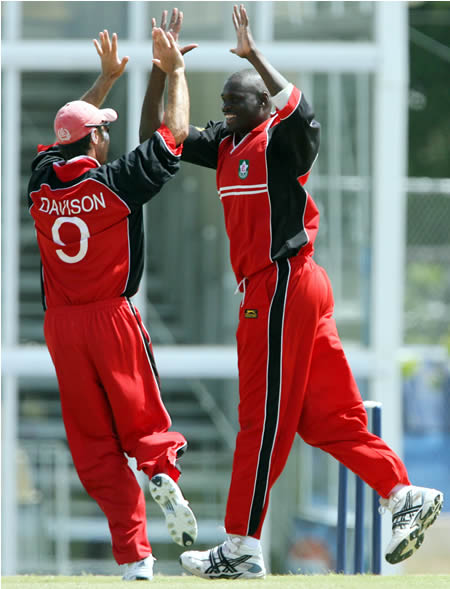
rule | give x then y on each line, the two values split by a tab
201	146
140	174
297	136
45	157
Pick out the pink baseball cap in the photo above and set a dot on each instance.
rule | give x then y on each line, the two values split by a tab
75	119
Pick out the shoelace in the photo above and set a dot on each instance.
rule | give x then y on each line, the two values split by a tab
384	504
409	511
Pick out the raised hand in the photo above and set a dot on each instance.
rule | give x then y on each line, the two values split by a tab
165	47
176	20
112	66
245	42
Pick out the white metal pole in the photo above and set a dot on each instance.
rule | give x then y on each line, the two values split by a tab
138	25
10	300
264	33
389	170
335	204
263	28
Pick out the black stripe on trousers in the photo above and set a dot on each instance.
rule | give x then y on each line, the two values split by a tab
275	345
146	344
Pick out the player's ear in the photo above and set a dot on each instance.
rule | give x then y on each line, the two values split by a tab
265	100
95	138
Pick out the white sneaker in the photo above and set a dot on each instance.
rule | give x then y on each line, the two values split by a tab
230	560
180	519
413	509
141	570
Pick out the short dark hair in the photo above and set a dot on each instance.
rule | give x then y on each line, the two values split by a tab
250	78
80	147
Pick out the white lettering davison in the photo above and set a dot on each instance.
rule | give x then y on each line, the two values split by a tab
45	205
73	206
99	200
54	208
65	208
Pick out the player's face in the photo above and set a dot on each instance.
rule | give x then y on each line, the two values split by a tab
242	107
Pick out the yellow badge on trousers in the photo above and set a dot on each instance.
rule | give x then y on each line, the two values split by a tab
251	313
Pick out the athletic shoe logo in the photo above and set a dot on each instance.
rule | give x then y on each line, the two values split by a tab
223	567
408	514
243	169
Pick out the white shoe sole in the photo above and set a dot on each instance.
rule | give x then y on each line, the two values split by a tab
414	539
137	578
180	519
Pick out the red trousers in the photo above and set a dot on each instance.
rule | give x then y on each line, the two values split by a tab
111	405
294	378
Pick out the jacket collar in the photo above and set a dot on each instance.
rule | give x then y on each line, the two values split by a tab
75	167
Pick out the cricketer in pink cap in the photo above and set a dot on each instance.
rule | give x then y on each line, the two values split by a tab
75	120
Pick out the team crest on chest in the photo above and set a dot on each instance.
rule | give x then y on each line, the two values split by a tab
243	169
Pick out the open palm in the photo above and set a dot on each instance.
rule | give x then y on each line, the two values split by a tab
245	43
112	66
176	20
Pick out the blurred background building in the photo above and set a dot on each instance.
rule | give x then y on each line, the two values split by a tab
377	74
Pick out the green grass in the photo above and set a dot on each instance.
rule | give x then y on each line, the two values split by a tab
272	582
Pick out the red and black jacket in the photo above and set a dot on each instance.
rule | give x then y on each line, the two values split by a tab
89	222
260	180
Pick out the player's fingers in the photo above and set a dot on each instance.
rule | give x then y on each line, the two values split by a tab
123	64
104	42
173	19
244	17
179	22
107	40
236	15
235	21
188	48
153	23
114	43
164	20
171	39
97	47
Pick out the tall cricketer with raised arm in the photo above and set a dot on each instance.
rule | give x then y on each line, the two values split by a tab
293	374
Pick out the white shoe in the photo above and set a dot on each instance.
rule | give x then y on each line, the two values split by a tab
141	570
413	509
230	560
180	519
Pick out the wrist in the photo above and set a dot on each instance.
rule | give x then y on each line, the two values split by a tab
253	56
106	79
156	70
178	71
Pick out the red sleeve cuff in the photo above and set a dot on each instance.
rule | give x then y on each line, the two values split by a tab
303	179
293	102
169	140
42	147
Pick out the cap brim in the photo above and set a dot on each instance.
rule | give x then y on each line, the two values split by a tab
109	114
